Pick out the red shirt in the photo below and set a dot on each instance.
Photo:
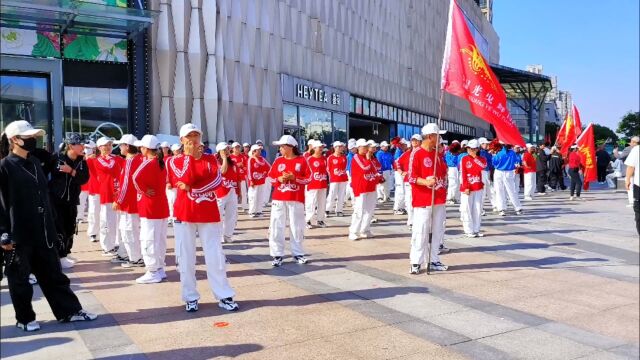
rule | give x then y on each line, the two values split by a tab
150	176
93	185
292	190
421	165
376	164
402	164
230	180
471	169
574	160
364	176
198	205
319	176
258	169
529	162
127	194
240	161
108	169
337	166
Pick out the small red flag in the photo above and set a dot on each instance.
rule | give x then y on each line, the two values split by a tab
569	131
465	73
587	152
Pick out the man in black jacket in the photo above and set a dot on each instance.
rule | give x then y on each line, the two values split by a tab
69	171
602	162
556	170
541	169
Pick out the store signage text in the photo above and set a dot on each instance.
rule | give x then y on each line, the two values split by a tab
316	94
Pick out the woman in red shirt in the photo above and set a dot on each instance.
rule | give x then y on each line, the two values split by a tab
108	168
529	165
150	181
471	168
364	179
575	166
257	170
228	192
93	194
289	175
240	161
316	195
338	179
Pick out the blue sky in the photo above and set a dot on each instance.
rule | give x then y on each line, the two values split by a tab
591	46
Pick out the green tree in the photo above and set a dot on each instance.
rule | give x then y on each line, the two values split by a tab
629	125
603	134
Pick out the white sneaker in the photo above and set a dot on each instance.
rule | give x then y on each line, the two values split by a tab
162	273
366	235
528	198
32	279
470	235
227	239
32	326
571	198
150	277
479	234
66	263
353	237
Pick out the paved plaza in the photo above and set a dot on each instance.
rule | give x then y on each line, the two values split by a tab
558	282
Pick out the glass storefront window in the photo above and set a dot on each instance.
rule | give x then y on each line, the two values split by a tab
290	115
339	127
96	112
365	105
359	106
26	97
352	104
316	123
402	131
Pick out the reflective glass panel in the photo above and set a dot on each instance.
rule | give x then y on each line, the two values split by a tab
316	123
96	112
339	127
290	115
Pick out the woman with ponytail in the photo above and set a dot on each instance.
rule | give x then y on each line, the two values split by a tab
228	193
153	209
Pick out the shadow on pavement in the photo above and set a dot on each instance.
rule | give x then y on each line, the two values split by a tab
195	353
507	247
535	263
15	348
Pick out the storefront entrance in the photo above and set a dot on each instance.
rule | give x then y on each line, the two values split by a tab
368	129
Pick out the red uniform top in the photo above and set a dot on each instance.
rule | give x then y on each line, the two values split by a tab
108	169
292	190
337	166
240	161
421	165
376	164
93	185
306	154
364	176
574	160
402	164
257	170
230	180
150	176
127	194
319	177
528	162
471	169
198	205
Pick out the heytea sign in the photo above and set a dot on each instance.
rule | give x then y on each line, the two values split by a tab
316	94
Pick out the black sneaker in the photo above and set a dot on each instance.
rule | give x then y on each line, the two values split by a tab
322	224
374	220
300	259
93	238
309	226
438	266
191	306
119	260
131	264
32	326
326	213
443	249
518	212
228	304
415	269
277	261
81	315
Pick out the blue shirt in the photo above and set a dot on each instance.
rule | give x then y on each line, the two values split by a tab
452	160
386	159
397	154
505	160
487	156
460	156
349	158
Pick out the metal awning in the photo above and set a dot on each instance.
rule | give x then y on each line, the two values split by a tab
75	17
524	85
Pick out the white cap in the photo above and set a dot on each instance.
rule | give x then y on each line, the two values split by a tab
286	140
221	146
21	128
384	144
245	145
374	144
126	139
175	147
317	144
352	140
455	142
483	141
337	143
432	128
235	143
311	141
255	147
258	141
104	141
405	141
165	144
464	142
473	144
90	144
189	128
416	137
529	145
361	142
351	145
148	141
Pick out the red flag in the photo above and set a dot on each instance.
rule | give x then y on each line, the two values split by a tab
465	73
587	152
576	119
569	131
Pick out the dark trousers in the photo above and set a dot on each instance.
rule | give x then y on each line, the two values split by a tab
636	206
556	180
66	225
541	180
602	173
576	182
43	262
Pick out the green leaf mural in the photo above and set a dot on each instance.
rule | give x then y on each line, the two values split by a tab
44	48
121	45
83	47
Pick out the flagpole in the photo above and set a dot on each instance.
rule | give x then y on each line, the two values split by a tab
433	188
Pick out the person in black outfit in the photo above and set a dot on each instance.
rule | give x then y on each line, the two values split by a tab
28	233
556	170
541	169
69	172
602	162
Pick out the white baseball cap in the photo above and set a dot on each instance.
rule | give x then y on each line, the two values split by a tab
529	145
104	141
337	143
455	142
416	137
126	139
255	147
286	140
175	147
22	128
317	144
90	144
148	141
483	141
361	142
405	141
432	128
473	144
189	128
464	142
374	144
245	145
311	141
165	144
235	144
258	141
221	146
384	144
351	145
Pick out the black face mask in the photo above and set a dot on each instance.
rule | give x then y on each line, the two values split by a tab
29	144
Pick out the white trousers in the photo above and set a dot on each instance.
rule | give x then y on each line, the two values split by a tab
82	207
315	203
488	191
108	227
384	189
529	184
611	178
280	212
130	230
420	233
172	194
363	209
211	240
266	194
471	211
153	239
350	195
228	206
122	250
408	200
398	201
335	199
516	183
256	196
93	215
453	189
503	181
244	204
